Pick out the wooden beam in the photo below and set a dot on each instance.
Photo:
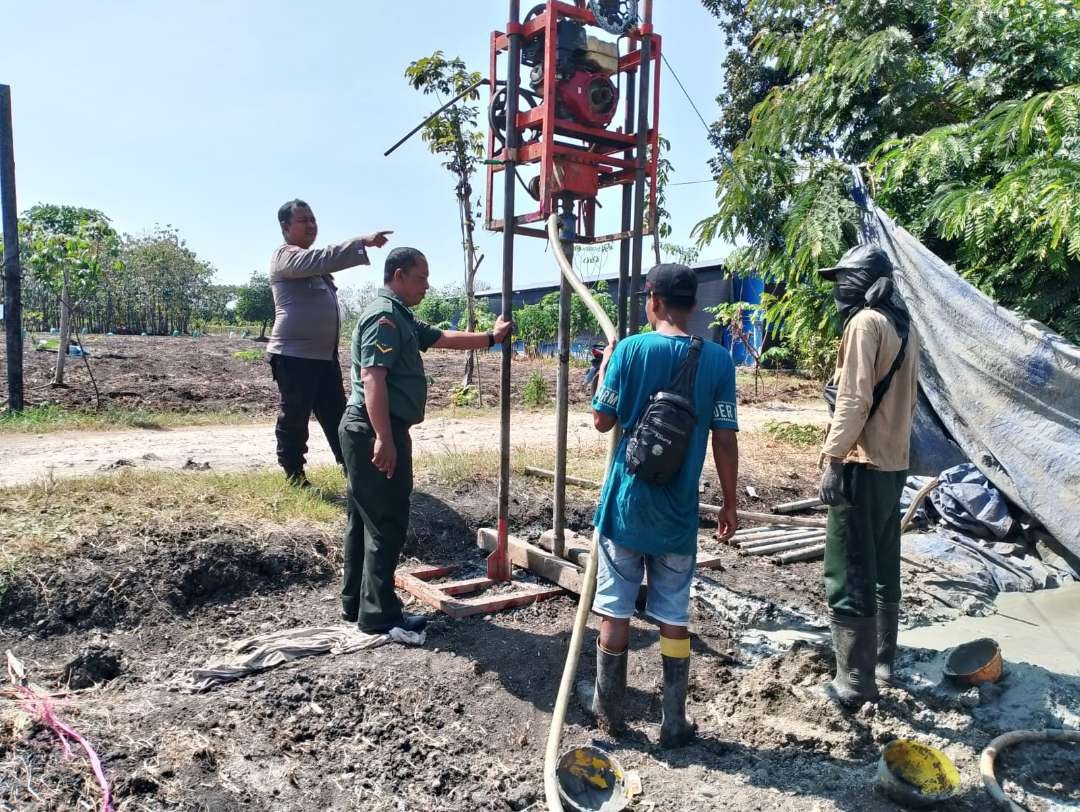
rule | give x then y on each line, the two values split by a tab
535	559
441	596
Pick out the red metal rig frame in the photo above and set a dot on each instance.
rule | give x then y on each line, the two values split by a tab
604	158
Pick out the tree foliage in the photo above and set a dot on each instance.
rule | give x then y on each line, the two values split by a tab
538	323
255	302
964	115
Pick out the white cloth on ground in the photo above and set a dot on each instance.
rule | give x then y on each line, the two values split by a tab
263	651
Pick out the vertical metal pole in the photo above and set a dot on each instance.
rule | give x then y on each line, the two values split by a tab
639	180
12	276
498	563
562	387
624	292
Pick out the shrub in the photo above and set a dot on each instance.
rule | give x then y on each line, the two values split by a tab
536	391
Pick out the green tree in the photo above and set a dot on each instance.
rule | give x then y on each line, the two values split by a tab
453	136
255	303
162	283
964	115
69	251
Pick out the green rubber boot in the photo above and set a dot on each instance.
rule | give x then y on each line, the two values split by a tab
888	625
855	648
605	698
676	729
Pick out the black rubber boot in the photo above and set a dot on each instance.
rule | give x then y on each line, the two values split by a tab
888	624
855	647
676	729
605	697
298	479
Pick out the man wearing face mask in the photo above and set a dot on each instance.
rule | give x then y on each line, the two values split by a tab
865	460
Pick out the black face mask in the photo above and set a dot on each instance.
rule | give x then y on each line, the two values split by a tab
857	289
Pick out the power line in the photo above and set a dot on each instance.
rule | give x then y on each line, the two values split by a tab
692	182
685	93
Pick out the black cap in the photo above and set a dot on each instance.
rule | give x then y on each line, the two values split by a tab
866	257
674	283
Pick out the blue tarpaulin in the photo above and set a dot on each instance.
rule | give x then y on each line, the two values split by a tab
1004	388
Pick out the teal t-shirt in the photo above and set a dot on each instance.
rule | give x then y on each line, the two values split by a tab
648	518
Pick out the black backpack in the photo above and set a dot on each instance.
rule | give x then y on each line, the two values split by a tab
658	442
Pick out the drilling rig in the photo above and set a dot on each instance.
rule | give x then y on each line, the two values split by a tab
558	79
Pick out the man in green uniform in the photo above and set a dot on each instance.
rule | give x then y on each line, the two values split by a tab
389	391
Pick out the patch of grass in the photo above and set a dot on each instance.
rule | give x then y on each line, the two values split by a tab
536	391
464	397
52	515
253	356
54	417
800	434
481	468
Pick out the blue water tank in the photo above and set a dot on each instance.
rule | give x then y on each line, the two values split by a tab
747	289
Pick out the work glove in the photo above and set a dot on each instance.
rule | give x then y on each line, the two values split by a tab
831	489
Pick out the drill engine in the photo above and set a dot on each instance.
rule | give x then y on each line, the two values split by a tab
584	64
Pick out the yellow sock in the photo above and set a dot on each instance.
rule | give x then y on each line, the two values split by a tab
671	647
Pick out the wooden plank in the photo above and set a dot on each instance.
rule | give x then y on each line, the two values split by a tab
465	586
784	546
810	553
426	572
796	506
428	593
523	595
535	559
435	596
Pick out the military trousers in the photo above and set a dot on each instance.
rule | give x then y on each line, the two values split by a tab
377	522
862	542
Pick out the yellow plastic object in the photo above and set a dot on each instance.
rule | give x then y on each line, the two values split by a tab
915	774
591	780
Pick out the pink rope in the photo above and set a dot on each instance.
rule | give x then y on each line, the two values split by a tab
41	706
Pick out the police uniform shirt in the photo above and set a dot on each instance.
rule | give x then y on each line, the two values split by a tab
389	335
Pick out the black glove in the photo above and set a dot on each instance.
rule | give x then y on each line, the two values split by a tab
831	489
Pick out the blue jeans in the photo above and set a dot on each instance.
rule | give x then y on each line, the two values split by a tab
619	574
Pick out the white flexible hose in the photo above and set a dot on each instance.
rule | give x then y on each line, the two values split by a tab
588	581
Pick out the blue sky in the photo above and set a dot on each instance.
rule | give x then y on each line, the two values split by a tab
208	115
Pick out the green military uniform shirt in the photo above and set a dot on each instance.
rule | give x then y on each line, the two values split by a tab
388	335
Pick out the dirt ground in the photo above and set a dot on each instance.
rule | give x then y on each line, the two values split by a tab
187	374
460	723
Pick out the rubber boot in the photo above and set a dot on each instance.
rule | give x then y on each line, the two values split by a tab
676	729
605	698
888	623
855	647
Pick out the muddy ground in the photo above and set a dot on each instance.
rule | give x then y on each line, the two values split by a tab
458	724
187	374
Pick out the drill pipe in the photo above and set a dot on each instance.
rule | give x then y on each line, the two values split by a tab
588	581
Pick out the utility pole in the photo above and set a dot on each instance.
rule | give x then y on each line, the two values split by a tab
12	275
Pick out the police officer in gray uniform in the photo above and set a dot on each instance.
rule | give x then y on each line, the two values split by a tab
303	348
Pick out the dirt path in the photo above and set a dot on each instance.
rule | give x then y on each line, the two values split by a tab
249	447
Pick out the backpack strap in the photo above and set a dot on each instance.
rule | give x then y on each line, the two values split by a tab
883	385
685	378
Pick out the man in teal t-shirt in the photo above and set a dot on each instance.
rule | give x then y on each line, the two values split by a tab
654	528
